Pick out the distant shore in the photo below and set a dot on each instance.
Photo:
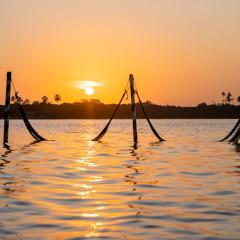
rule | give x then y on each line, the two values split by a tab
95	110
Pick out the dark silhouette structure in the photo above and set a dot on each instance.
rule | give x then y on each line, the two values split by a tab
7	108
133	91
23	115
133	109
95	109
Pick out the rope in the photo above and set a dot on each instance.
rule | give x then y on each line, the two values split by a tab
232	131
148	120
236	137
14	87
29	127
104	131
146	116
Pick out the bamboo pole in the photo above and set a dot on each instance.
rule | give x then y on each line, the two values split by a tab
133	109
7	108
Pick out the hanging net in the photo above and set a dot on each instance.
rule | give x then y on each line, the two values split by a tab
148	120
234	134
103	132
29	127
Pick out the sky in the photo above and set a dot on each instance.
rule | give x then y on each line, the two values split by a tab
181	52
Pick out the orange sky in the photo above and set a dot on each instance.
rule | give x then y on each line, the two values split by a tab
181	52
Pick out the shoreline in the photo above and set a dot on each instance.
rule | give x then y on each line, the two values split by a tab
210	118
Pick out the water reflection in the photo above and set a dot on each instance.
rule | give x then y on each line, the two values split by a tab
6	179
6	153
237	147
132	179
74	188
5	145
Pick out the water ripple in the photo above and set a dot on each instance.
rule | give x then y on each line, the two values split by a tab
73	188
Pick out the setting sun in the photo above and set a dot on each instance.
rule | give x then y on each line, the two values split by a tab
88	86
89	91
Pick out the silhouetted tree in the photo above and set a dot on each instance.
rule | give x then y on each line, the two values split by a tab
57	98
84	100
238	99
223	95
26	101
229	98
96	101
13	99
202	105
148	102
45	99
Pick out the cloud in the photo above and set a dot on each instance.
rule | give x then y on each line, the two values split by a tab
86	84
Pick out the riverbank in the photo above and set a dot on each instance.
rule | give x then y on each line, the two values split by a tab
92	110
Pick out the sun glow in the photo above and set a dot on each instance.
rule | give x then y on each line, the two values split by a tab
89	91
88	86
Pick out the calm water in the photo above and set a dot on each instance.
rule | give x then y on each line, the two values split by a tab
73	188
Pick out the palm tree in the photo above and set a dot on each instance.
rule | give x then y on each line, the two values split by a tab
229	98
238	99
57	98
223	95
45	99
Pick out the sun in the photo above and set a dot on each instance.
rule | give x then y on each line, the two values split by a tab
89	91
88	86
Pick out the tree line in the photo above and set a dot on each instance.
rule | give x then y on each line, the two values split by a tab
95	109
227	98
44	100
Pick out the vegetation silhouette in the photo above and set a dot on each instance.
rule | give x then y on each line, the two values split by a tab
95	109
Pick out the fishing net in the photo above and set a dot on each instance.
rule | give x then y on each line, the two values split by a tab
148	120
103	132
234	133
29	127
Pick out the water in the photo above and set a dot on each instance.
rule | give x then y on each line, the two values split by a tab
73	188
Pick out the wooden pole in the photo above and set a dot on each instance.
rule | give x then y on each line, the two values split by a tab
133	108
7	107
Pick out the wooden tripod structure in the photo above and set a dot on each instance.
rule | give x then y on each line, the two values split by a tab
29	127
133	92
